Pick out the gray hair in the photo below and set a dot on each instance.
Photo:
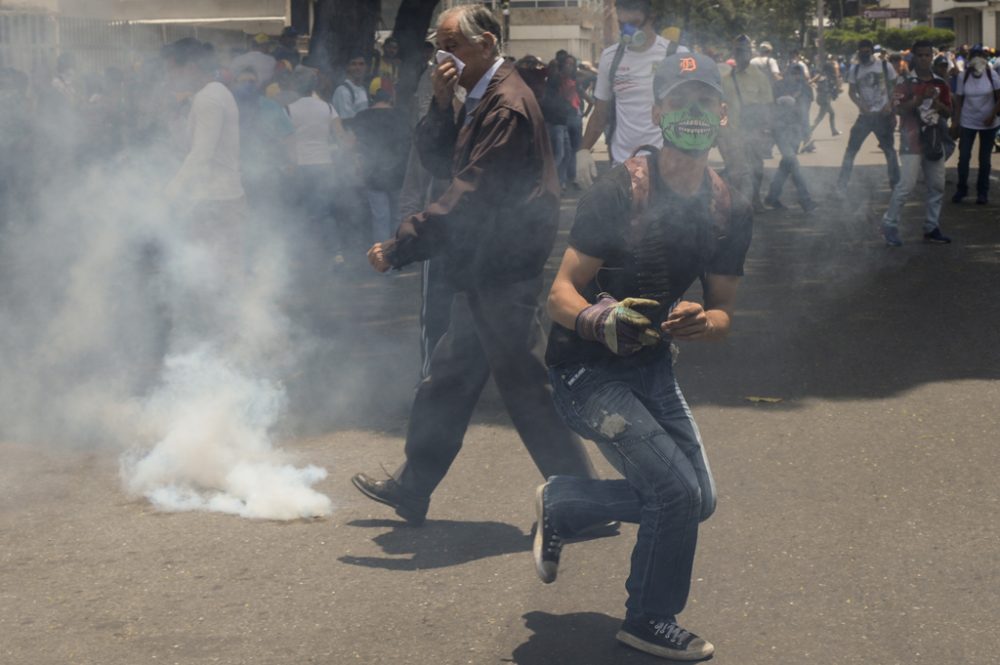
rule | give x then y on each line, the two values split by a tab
473	21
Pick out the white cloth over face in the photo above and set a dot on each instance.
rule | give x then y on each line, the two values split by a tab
441	56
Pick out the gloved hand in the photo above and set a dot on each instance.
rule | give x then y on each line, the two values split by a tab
586	169
617	325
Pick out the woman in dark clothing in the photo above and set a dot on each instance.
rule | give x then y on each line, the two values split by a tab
557	111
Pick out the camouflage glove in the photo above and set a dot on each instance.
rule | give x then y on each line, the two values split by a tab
617	325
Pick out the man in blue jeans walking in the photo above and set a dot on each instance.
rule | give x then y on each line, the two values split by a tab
643	233
870	82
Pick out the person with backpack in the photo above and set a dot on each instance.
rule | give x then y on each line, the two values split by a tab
870	82
351	98
624	92
766	63
976	108
643	234
923	103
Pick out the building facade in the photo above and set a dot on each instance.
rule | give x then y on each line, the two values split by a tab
976	22
542	27
103	33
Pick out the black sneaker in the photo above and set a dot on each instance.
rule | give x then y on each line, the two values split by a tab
982	200
891	236
547	545
411	508
957	197
937	237
664	639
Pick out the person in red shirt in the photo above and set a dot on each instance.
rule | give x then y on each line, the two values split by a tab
923	103
574	123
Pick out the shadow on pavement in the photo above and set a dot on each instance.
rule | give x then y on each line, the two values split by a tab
827	310
438	543
580	638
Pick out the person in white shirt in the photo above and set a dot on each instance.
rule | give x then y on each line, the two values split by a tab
625	80
317	126
976	109
351	98
207	197
210	171
870	81
766	63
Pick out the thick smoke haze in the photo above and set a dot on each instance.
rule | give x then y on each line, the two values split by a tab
125	326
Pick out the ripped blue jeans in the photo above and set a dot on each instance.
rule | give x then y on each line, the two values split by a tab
641	423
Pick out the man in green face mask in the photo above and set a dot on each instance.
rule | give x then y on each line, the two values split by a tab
644	232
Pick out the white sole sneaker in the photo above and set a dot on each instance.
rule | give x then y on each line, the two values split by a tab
698	649
546	569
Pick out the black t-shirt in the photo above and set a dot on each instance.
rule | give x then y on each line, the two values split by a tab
675	241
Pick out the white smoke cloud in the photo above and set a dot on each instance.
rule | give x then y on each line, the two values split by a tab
123	326
216	452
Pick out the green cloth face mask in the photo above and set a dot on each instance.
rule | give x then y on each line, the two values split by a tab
690	130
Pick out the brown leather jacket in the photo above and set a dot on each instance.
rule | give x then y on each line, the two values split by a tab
497	220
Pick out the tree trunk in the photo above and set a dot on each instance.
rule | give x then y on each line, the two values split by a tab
410	30
342	27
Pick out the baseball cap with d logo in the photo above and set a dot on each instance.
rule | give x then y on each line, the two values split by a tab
684	67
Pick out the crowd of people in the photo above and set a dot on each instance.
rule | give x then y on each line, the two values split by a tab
255	125
469	185
296	123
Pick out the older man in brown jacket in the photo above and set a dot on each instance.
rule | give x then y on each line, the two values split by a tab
494	229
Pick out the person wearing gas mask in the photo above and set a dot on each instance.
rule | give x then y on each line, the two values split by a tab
977	105
643	234
870	82
624	93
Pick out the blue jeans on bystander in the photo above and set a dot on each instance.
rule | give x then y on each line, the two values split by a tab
966	138
559	136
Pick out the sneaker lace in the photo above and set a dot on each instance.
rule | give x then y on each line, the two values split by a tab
553	544
670	631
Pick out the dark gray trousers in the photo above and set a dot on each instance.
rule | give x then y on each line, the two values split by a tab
492	330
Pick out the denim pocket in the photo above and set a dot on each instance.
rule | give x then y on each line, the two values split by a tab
571	385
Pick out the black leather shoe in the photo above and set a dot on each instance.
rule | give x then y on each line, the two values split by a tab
410	508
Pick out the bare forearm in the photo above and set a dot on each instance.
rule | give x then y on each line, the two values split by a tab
565	303
595	126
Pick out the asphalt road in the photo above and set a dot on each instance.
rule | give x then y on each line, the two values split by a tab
857	522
